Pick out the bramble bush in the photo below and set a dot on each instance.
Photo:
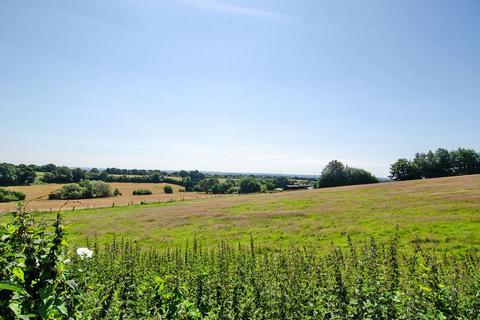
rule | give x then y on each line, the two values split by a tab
120	280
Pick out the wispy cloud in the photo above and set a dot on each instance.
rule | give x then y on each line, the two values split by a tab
226	7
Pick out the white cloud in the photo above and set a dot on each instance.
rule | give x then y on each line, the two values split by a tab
226	7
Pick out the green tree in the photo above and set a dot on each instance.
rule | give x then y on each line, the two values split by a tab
444	162
156	177
466	161
168	189
8	174
281	182
188	183
249	185
404	169
25	174
334	174
78	174
360	176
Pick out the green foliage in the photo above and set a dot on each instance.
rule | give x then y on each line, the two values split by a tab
191	179
441	163
168	189
116	192
10	195
213	185
78	175
84	190
11	174
337	174
141	192
33	280
365	280
59	175
404	169
249	185
280	182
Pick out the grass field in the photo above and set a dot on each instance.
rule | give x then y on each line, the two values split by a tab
444	212
43	204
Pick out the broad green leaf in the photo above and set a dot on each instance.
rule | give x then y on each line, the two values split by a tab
18	272
11	287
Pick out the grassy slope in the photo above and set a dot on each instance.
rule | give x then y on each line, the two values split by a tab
444	211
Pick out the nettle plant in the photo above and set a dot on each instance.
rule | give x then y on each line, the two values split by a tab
33	280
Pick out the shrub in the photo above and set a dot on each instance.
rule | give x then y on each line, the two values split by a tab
84	190
100	189
168	189
141	192
10	195
117	192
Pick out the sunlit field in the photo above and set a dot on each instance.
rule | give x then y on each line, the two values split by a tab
443	212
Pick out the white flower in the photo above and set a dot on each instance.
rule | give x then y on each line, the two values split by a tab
84	253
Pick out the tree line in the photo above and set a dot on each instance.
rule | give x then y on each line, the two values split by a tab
134	172
22	174
244	185
11	174
441	163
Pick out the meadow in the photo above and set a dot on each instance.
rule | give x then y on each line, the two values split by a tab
402	250
442	212
37	196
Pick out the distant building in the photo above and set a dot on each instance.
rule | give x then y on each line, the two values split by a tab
298	187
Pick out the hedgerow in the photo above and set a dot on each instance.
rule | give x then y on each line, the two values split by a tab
141	192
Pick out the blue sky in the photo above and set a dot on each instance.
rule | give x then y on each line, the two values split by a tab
246	86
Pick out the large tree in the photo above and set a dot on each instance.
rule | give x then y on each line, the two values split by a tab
403	169
337	174
25	174
8	174
249	185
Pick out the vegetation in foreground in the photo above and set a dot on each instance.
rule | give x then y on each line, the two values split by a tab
368	280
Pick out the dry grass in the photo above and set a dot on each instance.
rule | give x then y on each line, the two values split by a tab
443	211
34	192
